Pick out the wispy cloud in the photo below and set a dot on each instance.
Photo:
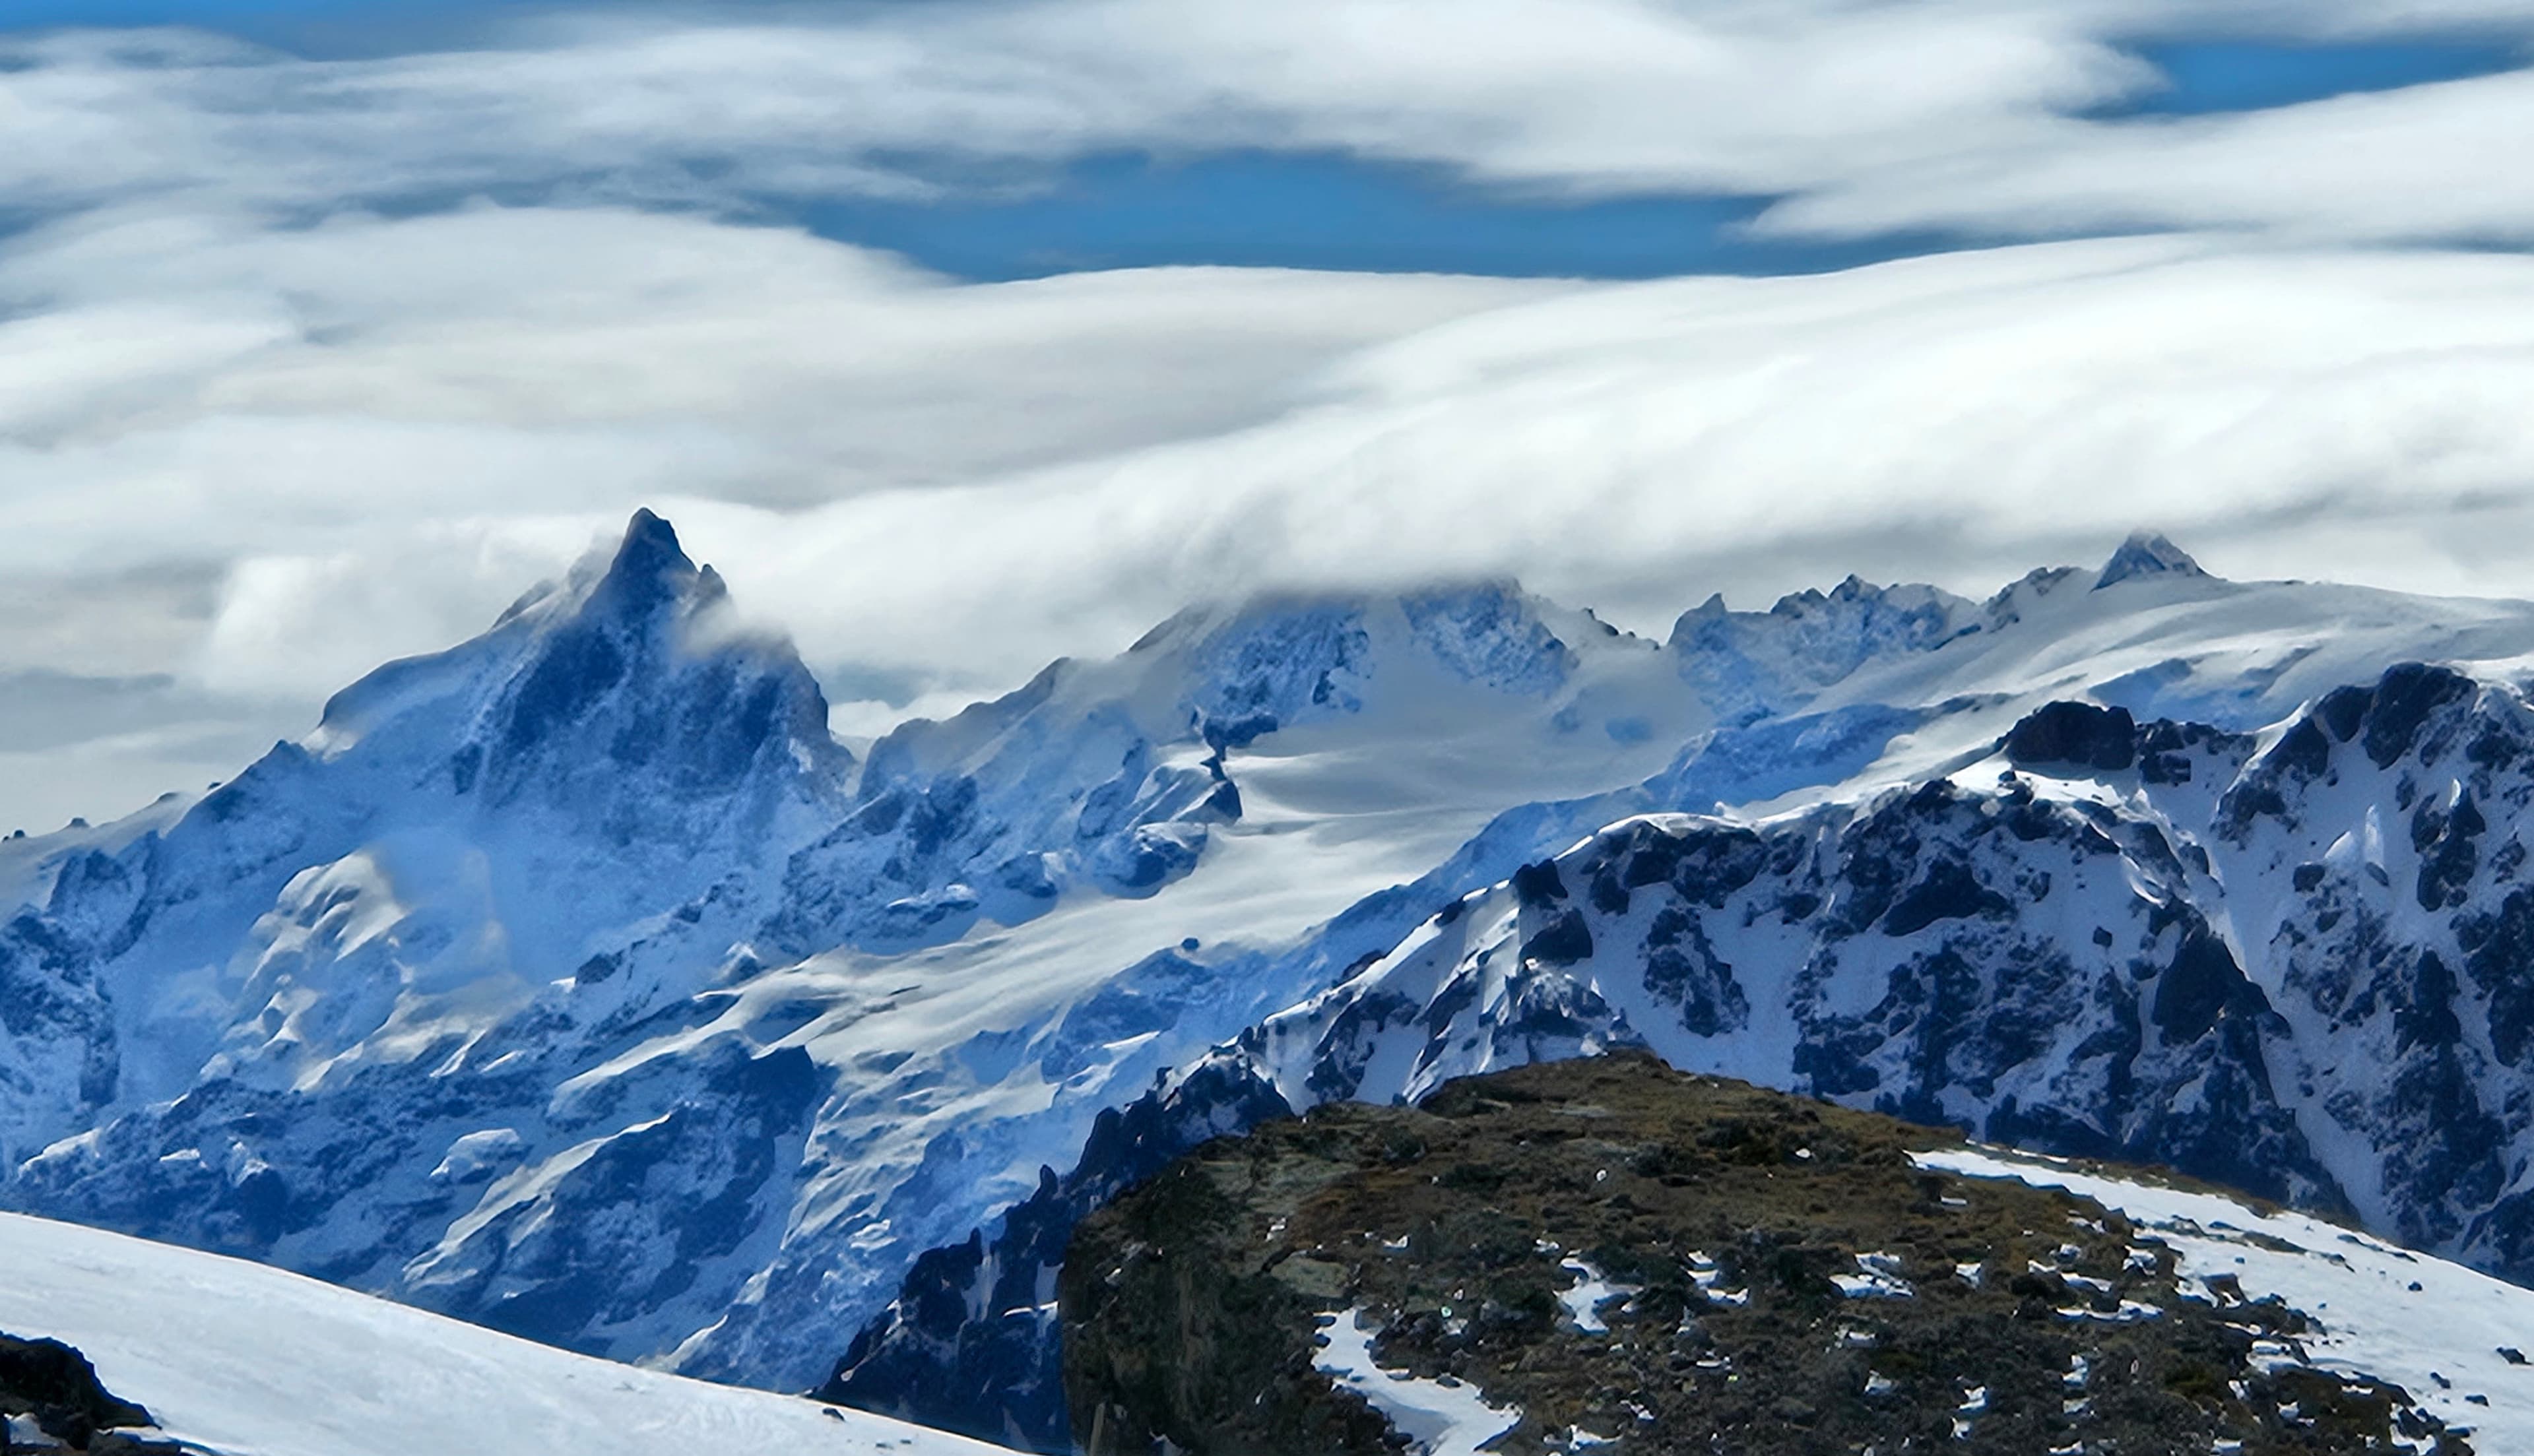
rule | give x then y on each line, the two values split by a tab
1846	107
2424	164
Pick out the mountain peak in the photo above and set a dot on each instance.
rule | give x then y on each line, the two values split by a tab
650	567
649	529
2147	553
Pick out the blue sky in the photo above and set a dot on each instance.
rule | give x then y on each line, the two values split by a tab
326	328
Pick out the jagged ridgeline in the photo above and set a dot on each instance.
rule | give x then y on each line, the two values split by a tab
2292	962
1611	1256
578	983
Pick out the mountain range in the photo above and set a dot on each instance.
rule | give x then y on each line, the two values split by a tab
577	982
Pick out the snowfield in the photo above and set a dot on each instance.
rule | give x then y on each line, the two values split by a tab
2434	1328
250	1361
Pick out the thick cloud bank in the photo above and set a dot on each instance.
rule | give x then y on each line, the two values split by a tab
305	363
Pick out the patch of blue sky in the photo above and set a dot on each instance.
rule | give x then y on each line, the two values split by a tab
2208	76
215	14
1324	211
308	27
1338	212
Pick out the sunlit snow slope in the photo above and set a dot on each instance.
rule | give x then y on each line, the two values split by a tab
250	1361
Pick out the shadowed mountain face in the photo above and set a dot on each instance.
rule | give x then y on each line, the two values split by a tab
575	981
404	934
565	980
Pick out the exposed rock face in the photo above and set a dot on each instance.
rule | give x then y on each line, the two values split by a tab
2147	553
1003	1381
574	980
54	1386
2297	972
2075	735
548	982
2296	969
1613	1254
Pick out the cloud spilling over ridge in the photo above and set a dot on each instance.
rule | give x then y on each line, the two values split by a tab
285	472
204	388
1964	417
260	460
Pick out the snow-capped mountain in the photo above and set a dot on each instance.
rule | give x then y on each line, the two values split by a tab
2297	963
2170	942
244	1359
576	983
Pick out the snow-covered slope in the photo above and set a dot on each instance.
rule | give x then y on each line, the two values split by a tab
574	981
2297	962
248	1360
2292	958
2447	1334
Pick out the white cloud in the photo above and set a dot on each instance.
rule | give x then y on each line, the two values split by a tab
360	439
1964	417
1864	114
2425	162
264	383
281	395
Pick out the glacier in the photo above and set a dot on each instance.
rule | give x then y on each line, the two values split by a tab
577	982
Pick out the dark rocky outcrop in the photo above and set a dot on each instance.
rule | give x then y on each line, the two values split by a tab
1720	1215
2077	735
931	1358
56	1385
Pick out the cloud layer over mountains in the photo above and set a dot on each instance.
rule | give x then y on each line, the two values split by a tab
307	363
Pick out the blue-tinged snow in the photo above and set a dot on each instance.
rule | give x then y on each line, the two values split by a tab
574	981
246	1361
2290	959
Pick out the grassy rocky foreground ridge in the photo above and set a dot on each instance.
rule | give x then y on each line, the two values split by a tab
1610	1254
